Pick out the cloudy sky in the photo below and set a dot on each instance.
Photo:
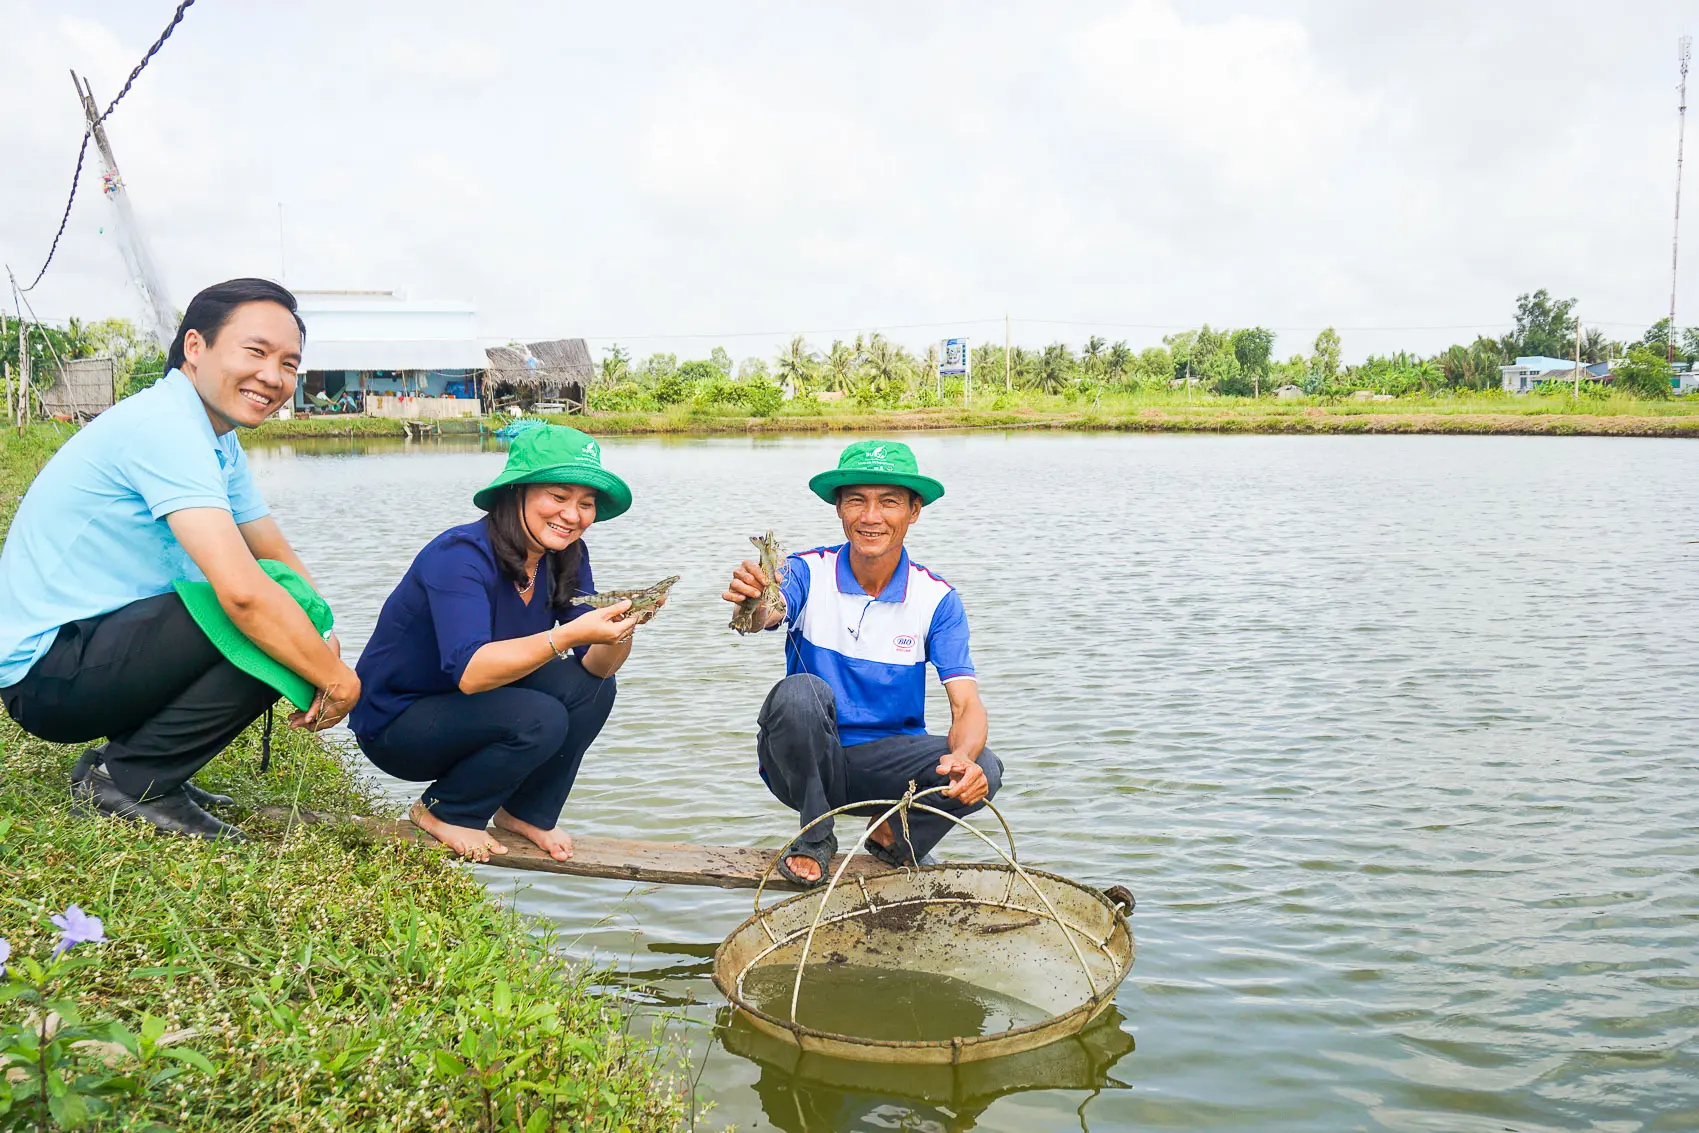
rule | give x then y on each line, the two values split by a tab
651	172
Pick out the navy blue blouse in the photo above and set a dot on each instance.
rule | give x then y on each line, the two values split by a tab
451	602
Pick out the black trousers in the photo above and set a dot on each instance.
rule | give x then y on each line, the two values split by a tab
147	678
810	771
516	747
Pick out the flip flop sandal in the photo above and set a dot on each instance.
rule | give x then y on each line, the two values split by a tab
893	855
820	853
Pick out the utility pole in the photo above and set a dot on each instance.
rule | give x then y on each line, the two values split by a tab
160	320
1680	142
1008	383
1577	357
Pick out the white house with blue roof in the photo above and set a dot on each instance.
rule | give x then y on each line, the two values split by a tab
1531	371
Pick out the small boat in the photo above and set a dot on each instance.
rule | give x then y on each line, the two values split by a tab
519	425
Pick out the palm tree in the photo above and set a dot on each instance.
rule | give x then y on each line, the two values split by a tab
1020	365
1092	355
840	367
882	362
1056	366
796	364
1118	362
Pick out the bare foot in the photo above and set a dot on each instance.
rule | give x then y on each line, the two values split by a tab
463	840
883	833
806	868
556	843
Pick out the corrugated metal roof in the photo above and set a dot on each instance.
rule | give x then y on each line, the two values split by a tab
384	331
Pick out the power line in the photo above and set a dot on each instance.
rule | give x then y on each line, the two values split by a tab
82	150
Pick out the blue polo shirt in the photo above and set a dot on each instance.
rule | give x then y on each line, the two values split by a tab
873	651
452	601
90	536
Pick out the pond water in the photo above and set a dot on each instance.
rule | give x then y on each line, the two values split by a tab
1392	737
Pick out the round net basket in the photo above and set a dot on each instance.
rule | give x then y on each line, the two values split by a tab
979	961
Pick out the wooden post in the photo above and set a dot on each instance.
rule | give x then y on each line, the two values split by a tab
23	374
1578	356
1008	383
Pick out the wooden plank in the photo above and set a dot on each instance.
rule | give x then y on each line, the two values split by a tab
621	859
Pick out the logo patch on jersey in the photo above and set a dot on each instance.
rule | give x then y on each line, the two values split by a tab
904	643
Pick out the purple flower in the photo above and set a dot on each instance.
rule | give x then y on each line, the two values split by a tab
77	927
5	954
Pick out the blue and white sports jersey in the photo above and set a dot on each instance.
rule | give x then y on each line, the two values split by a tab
873	651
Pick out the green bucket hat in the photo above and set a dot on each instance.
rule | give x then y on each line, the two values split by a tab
557	454
239	648
876	462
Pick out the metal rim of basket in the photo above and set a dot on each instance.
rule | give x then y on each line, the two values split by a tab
901	807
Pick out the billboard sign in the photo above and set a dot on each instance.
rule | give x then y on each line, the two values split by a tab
954	360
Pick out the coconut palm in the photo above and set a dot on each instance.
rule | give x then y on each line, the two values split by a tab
840	367
1118	362
796	364
1092	355
883	362
1055	368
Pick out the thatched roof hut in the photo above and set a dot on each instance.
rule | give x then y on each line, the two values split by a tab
557	369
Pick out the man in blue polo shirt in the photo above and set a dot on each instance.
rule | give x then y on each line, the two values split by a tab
94	638
847	723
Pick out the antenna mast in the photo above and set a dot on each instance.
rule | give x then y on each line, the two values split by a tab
159	320
1680	142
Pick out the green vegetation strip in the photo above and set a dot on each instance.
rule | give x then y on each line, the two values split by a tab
333	982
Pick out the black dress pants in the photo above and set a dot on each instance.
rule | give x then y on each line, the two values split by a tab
517	747
149	680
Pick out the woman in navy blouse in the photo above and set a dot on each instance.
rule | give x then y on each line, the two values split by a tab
470	684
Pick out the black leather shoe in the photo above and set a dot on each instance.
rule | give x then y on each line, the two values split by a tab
95	755
174	813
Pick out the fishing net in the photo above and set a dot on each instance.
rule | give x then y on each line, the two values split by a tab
942	964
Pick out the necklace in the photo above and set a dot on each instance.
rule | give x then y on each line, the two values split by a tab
526	589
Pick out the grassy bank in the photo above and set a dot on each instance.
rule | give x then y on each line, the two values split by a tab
1482	414
334	983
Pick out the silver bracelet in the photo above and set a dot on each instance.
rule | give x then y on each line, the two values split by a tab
559	656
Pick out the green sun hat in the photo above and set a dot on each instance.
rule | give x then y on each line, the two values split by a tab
876	462
240	649
558	454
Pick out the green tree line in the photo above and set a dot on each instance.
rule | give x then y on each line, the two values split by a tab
872	370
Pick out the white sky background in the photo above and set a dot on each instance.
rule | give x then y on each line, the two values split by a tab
633	171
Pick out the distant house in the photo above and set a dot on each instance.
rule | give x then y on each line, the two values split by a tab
368	343
1286	393
1534	370
553	375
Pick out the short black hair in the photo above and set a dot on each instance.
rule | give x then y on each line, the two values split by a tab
210	310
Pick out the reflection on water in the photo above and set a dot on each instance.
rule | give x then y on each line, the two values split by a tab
1393	737
807	1093
886	1003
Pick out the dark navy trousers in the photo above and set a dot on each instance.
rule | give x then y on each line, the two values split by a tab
146	677
810	771
516	747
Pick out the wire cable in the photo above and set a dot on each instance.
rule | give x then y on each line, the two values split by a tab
82	150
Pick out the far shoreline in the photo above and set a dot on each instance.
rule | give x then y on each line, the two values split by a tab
1312	420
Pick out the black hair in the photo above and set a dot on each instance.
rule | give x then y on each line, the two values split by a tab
210	310
511	542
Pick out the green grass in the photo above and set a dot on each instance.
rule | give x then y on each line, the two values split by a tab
336	982
1483	413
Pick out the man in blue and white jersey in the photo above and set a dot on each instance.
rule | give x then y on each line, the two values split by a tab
847	723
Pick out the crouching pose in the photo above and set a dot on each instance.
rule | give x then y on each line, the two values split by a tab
481	678
146	593
848	721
